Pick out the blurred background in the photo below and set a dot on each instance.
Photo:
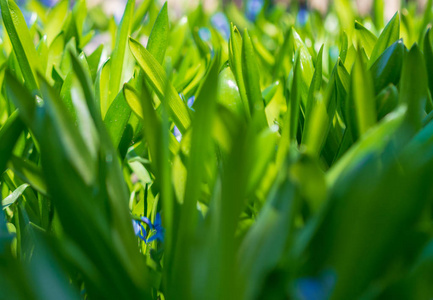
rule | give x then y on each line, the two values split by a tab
179	7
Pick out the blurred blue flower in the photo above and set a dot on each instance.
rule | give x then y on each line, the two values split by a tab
221	23
190	101
334	52
315	288
176	131
310	289
49	3
157	230
146	220
253	8
302	17
139	229
205	34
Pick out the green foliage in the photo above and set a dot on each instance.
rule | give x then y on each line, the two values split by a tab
284	155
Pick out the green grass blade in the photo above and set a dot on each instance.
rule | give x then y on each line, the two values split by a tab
389	35
265	242
305	66
93	60
368	40
261	154
9	134
140	14
378	9
386	101
9	200
315	87
29	173
252	81
101	87
56	19
155	74
414	88
344	47
374	141
362	95
387	68
235	61
21	41
428	56
285	49
158	39
201	146
295	99
116	119
120	53
142	107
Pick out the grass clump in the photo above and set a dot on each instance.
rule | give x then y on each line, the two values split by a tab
251	154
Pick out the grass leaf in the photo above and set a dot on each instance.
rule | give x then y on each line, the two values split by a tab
21	41
156	76
120	53
389	35
158	39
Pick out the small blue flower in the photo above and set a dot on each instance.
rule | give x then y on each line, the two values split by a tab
139	230
49	3
205	34
190	101
146	220
219	22
309	288
158	230
253	9
334	53
302	17
176	131
136	226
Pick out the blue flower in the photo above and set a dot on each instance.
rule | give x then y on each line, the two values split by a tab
176	131
157	230
309	288
253	9
219	22
190	101
205	34
146	220
49	3
139	229
302	16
